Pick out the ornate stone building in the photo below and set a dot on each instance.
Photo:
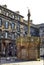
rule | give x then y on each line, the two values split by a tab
9	31
12	25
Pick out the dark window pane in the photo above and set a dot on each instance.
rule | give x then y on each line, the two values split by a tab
6	24
0	33
13	35
0	22
13	26
6	34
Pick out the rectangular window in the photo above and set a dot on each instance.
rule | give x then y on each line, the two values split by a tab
19	18
7	14
13	26
0	33
0	11
0	22
13	36
0	46
7	25
6	34
15	17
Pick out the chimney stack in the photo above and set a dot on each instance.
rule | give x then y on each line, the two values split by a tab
17	12
5	6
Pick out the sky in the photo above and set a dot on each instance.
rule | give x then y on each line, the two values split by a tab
36	8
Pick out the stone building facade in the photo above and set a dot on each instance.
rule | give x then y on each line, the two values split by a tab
12	25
